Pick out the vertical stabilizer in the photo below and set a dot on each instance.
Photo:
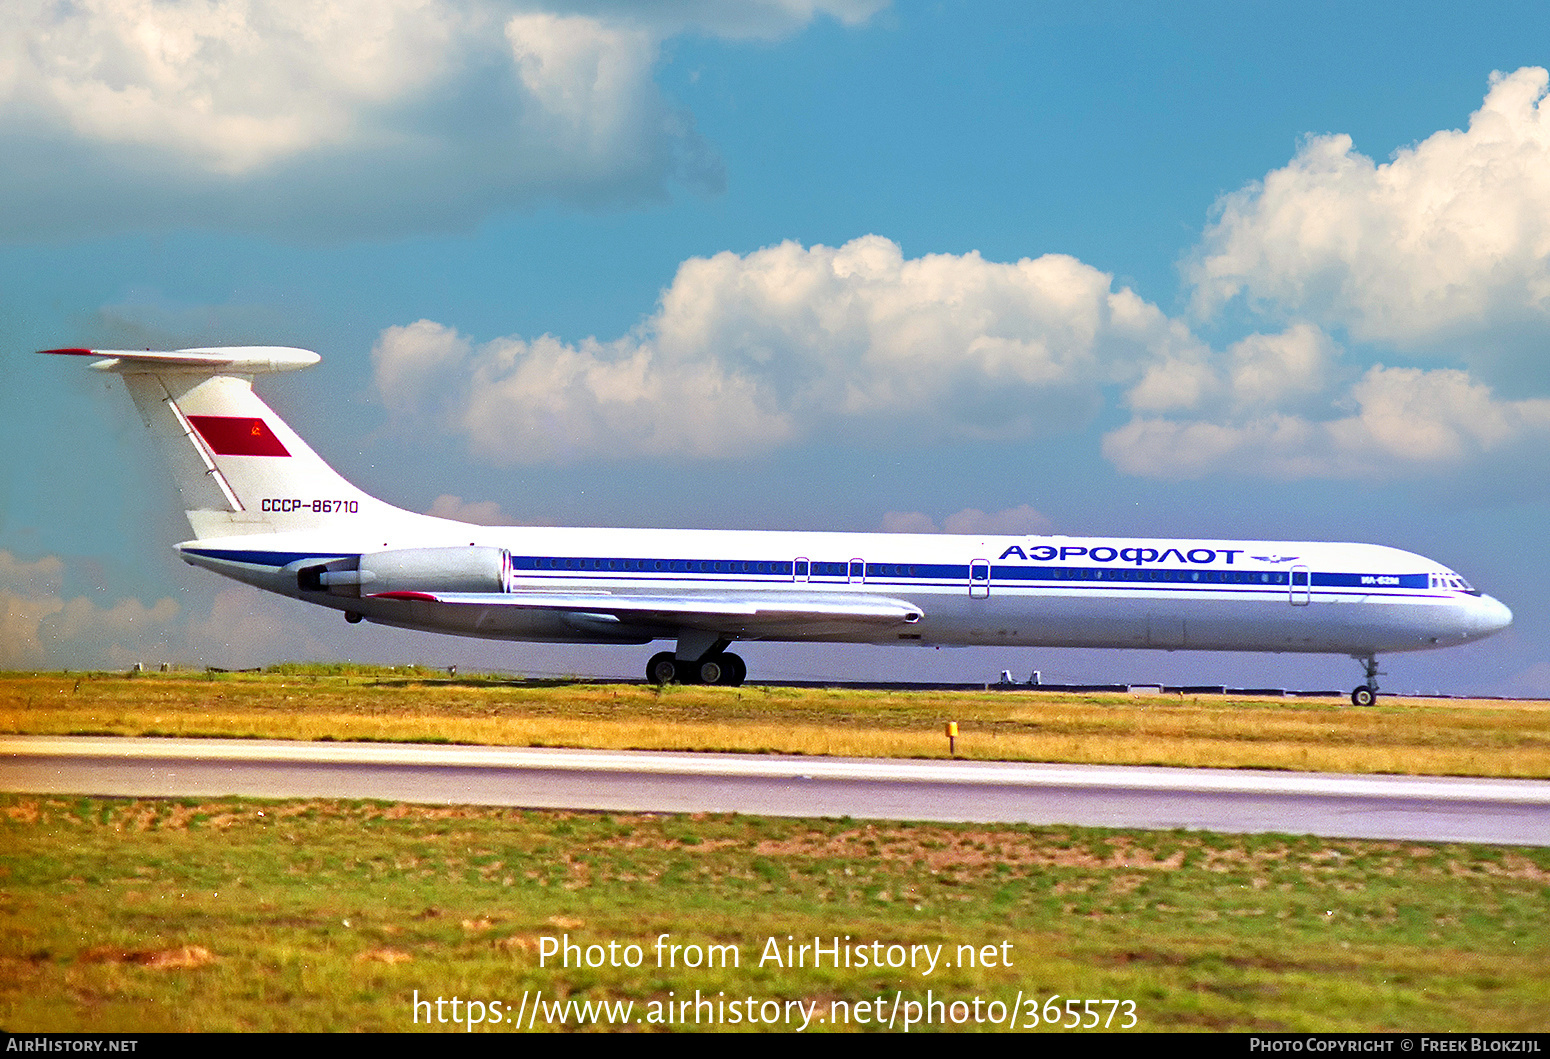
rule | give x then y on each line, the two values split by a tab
240	468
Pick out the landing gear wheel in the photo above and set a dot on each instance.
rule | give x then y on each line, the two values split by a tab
662	669
737	670
1367	694
728	670
712	670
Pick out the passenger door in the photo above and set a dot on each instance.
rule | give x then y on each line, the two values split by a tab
979	579
1299	587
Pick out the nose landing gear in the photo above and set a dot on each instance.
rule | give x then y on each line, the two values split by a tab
1367	694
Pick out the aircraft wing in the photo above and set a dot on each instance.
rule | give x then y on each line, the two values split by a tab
744	615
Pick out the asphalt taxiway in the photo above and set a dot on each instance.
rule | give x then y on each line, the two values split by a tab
1433	809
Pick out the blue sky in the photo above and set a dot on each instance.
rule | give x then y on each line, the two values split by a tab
1264	271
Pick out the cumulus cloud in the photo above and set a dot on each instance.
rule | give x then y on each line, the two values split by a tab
749	352
43	626
410	363
1444	250
348	115
227	87
522	402
1449	239
1405	422
1260	371
477	512
245	627
40	627
1014	520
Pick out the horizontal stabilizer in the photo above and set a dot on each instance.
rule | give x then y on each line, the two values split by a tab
235	360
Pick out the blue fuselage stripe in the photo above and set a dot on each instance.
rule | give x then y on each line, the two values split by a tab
777	571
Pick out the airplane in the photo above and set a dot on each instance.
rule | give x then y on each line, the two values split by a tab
266	510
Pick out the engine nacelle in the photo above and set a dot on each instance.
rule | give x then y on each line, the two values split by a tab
469	569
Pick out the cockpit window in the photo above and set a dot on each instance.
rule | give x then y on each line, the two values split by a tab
1455	582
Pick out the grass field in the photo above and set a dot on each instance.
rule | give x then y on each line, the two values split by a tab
123	915
239	915
1400	736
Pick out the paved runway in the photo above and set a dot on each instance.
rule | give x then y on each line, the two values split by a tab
1514	812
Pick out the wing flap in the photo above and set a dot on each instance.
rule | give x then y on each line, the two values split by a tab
752	614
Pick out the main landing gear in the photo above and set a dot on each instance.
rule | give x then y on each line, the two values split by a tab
1367	694
717	667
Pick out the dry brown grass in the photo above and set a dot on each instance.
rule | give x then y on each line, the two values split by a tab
1399	736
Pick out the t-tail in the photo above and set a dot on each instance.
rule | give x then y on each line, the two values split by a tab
240	468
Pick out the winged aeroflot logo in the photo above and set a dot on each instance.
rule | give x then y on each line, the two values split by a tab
1274	558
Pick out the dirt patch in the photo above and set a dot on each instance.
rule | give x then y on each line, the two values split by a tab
1517	866
1513	866
940	850
663	842
178	958
23	813
426	812
388	956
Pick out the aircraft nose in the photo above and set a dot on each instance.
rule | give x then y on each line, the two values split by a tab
1491	615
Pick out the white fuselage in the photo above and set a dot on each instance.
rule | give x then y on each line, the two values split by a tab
1047	591
268	510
